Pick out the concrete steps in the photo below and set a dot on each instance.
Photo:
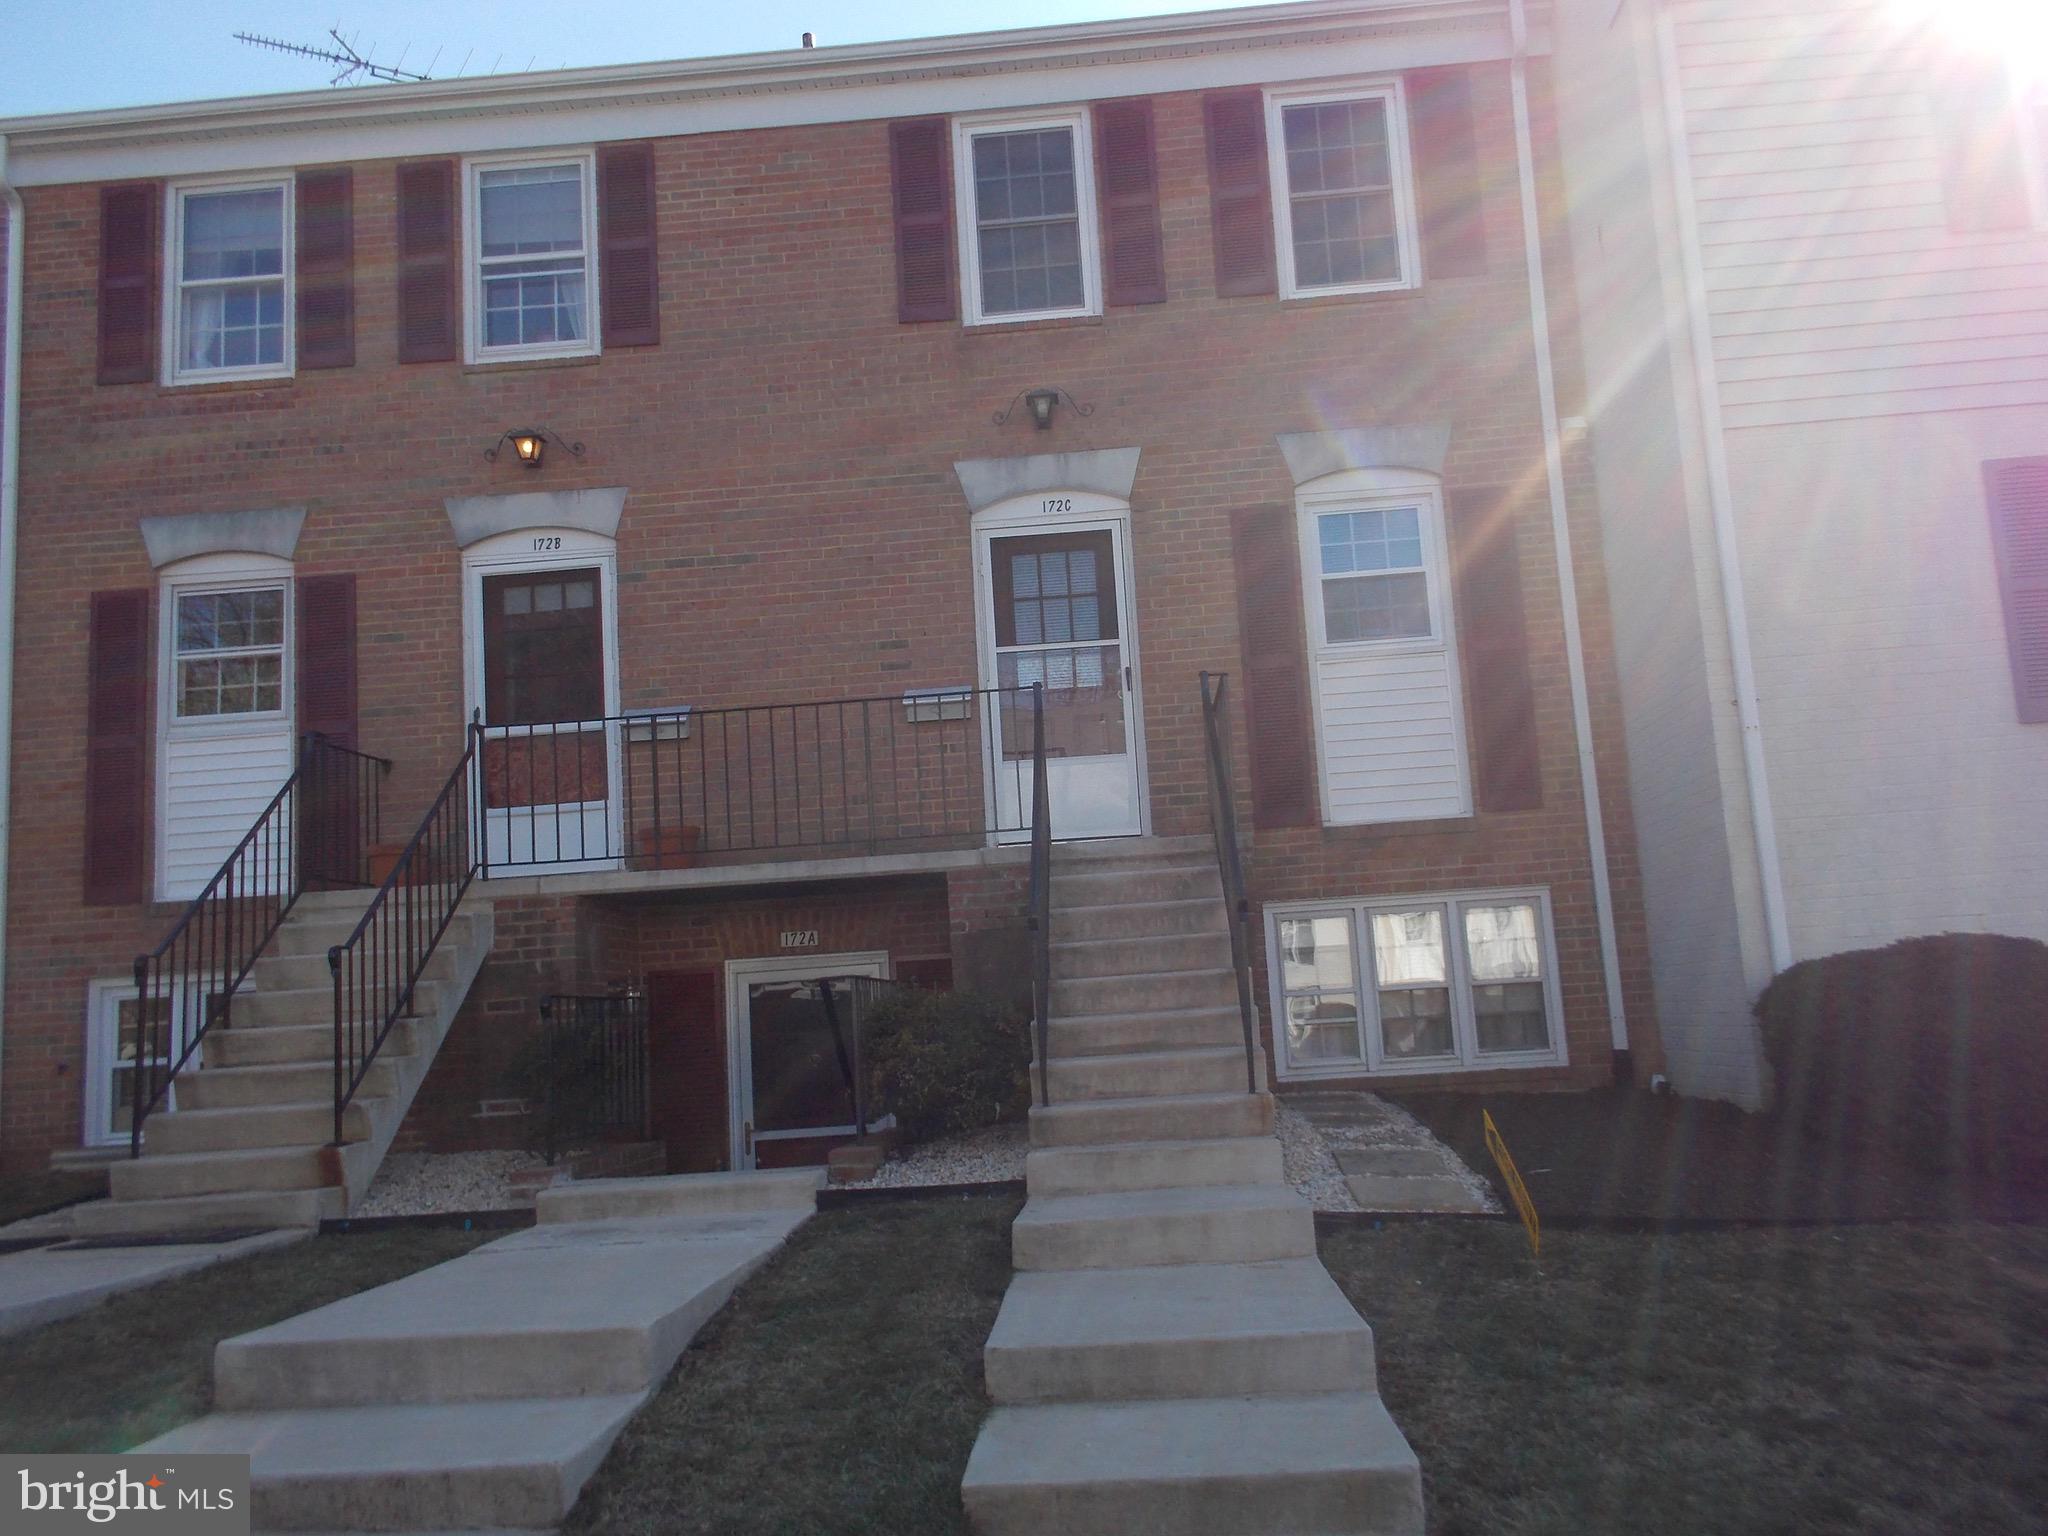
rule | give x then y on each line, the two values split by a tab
1171	1356
1331	1464
247	1144
484	1392
1153	1165
1102	1335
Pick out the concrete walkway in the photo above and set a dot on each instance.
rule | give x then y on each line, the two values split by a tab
1171	1356
40	1285
484	1392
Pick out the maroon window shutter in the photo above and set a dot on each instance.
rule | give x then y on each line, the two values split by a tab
128	262
117	749
1279	725
2018	492
1127	177
326	261
686	1081
627	261
921	172
426	261
1240	195
1983	168
1493	650
1448	182
326	625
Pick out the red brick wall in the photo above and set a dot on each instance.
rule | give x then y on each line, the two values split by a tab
794	528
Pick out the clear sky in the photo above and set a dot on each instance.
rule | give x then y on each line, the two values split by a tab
69	55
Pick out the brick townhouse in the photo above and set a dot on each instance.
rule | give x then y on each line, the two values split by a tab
662	488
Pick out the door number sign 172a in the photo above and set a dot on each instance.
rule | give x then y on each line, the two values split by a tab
799	938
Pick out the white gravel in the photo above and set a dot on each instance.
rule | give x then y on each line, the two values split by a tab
980	1157
431	1183
1376	1123
1310	1166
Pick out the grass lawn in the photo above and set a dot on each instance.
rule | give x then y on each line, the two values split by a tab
142	1362
1869	1380
837	1396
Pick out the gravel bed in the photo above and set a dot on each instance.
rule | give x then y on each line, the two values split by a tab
988	1156
1376	1123
1310	1166
431	1183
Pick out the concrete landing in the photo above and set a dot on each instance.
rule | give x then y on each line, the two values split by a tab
482	1393
40	1285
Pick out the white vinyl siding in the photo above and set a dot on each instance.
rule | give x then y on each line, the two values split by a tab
1389	715
1835	286
215	786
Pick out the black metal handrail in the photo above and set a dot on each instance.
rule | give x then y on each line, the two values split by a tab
594	1068
316	830
666	788
1041	895
377	968
1230	863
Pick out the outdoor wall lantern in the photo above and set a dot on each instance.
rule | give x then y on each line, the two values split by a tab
1041	403
529	445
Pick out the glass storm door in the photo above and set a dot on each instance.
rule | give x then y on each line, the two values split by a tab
550	764
1060	615
796	1061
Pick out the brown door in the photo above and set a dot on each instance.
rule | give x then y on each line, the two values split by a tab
686	1072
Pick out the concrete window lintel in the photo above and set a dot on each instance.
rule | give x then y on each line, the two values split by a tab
171	539
1312	455
1107	471
480	517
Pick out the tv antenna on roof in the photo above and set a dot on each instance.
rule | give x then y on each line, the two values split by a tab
349	64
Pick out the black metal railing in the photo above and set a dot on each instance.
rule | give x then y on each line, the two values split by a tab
376	970
316	831
670	788
593	1069
1230	862
1041	896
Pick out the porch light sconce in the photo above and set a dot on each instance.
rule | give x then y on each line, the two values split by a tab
1041	403
529	446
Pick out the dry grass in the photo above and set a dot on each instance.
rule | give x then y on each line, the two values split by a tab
838	1395
1871	1380
142	1362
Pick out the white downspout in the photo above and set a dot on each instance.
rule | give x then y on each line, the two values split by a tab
1720	495
1560	527
10	474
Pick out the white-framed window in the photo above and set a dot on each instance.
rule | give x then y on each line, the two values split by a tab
112	1009
1439	983
228	650
1343	192
1024	188
2033	106
228	259
531	256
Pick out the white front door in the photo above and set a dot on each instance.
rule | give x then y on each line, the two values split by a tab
544	674
1056	609
793	1056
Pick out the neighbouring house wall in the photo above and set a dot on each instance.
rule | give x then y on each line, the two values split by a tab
1700	893
1838	287
1909	797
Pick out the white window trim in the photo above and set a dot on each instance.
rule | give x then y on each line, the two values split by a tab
474	352
2030	102
103	999
503	554
174	287
223	573
1392	93
1365	490
967	223
1464	1027
739	976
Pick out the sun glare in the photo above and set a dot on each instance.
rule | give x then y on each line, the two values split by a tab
2017	29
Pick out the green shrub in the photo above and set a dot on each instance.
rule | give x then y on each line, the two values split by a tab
945	1062
1934	1048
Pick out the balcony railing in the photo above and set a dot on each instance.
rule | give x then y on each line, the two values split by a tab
667	789
593	1069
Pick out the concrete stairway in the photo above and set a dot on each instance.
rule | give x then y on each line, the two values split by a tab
484	1392
247	1143
1171	1357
